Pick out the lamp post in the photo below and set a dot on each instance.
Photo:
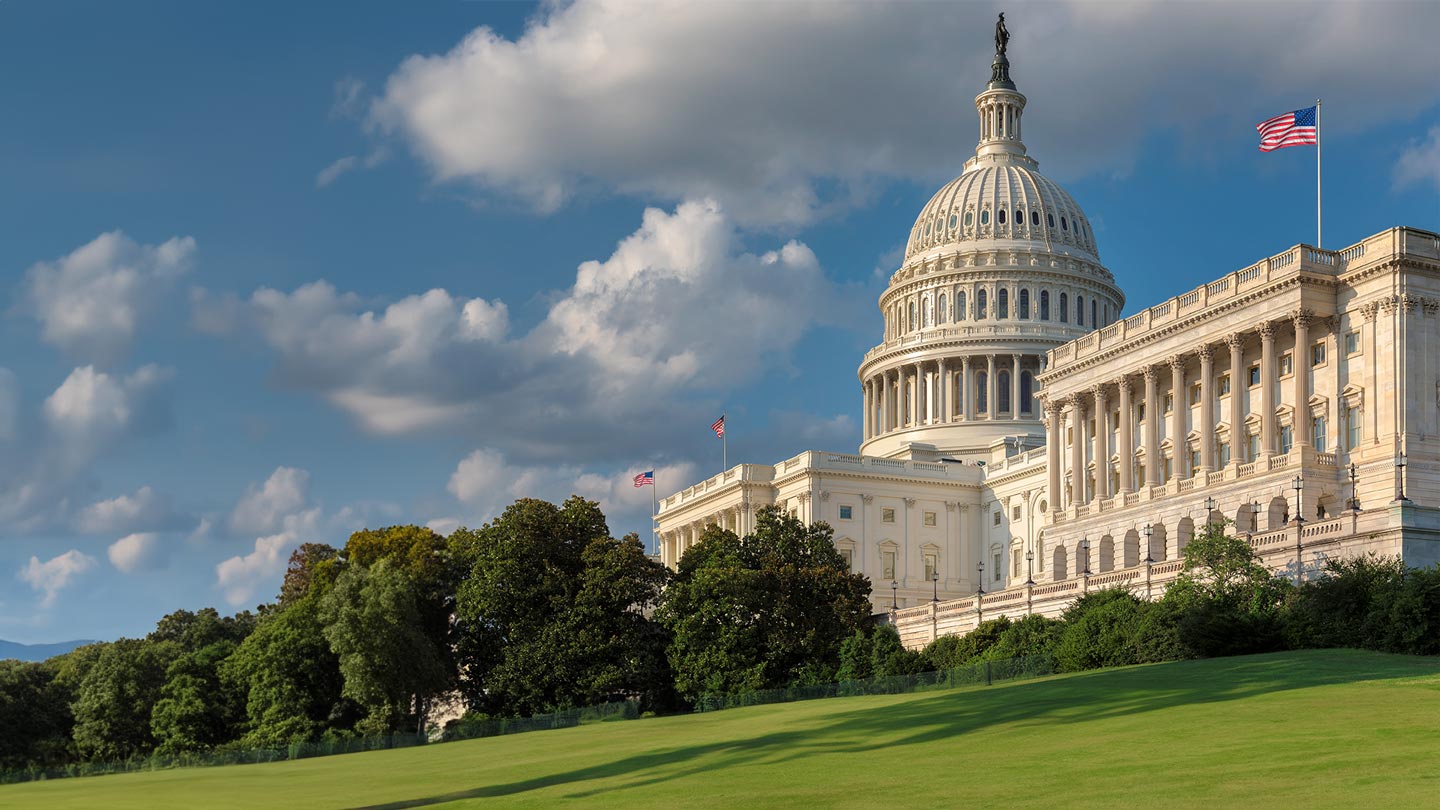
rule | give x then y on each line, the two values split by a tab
1400	478
894	595
980	579
1149	532
1030	566
935	585
1296	485
1209	510
1354	493
1254	516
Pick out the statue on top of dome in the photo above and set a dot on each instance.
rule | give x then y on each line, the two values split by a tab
1002	35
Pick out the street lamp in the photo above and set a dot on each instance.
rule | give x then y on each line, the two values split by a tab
980	579
1296	485
1209	509
1149	532
894	594
1354	493
935	585
1255	516
1400	468
1085	546
1030	564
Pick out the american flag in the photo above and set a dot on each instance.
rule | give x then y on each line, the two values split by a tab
1291	129
645	479
719	427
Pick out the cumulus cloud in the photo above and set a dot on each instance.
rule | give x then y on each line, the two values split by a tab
92	409
264	507
281	512
349	163
781	110
144	511
677	313
1419	164
53	575
136	552
92	302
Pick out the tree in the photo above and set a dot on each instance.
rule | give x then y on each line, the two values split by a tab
552	614
312	566
1100	631
115	699
1229	602
197	709
35	719
767	611
374	620
950	652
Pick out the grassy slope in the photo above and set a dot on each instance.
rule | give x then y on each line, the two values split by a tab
1313	729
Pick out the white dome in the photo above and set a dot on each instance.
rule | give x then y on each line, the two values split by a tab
1001	203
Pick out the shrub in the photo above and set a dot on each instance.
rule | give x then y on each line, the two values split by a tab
1100	631
952	652
1031	636
888	657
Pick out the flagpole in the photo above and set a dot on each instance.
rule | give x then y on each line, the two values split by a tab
1318	231
654	511
724	444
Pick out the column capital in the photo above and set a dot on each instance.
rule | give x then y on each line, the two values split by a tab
1151	374
1098	392
909	503
1369	310
1054	408
824	494
1302	317
1267	330
1206	353
1177	362
1122	385
1235	340
1076	401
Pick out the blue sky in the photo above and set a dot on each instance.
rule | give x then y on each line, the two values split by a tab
273	272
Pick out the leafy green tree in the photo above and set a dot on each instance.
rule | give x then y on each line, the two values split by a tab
1030	636
290	678
115	699
311	570
856	658
373	619
951	652
767	611
35	719
552	613
197	709
1229	603
888	657
1100	631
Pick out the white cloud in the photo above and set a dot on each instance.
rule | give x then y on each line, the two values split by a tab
91	410
240	578
145	510
783	109
349	163
677	296
92	302
264	508
53	575
136	552
1419	164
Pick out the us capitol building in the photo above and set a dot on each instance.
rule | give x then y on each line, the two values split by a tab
1024	443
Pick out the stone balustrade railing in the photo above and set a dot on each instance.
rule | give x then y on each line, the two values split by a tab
999	330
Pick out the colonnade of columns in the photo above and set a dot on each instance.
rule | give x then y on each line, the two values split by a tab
946	390
1086	421
675	542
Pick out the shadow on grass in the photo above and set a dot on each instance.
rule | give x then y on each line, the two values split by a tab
938	716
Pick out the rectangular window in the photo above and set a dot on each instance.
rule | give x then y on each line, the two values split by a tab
1167	470
1195	394
931	566
995	569
1317	354
1287	364
1169	403
1254	375
1069	435
1224	384
1194	454
996	518
846	512
1352	343
1352	427
1015	564
1224	454
1287	438
929	518
1317	429
1140	412
887	515
1254	446
849	556
1115	420
1015	514
887	565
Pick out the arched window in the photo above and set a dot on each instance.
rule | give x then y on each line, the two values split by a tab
980	301
911	327
1000	217
925	313
982	392
1063	225
1002	380
1107	312
1034	217
1044	305
1064	308
1024	305
940	311
1027	392
1050	219
985	217
1002	303
1080	310
1019	217
969	218
952	222
1094	313
960	306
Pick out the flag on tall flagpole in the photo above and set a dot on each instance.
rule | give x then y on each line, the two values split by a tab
645	479
719	427
1296	128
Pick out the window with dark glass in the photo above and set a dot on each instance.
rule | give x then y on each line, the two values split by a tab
980	302
1080	310
1064	308
1002	303
1024	312
1044	305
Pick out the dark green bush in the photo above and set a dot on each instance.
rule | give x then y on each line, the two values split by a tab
952	652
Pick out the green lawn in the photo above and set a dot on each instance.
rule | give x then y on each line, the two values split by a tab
1311	729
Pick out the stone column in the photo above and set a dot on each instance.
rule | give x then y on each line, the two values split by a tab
1102	443
1239	386
1177	417
884	390
1301	359
1127	437
967	394
1267	388
992	404
1207	409
1052	453
944	391
1152	427
1077	449
865	429
1015	408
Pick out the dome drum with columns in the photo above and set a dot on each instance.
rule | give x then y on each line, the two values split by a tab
1001	267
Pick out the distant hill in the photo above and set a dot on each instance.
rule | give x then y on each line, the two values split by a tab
38	652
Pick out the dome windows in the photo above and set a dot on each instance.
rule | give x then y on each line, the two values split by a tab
1000	217
1064	308
1050	218
940	312
969	218
1024	305
953	220
1019	217
1063	225
960	304
980	300
985	217
1044	305
1079	310
1034	217
1002	304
